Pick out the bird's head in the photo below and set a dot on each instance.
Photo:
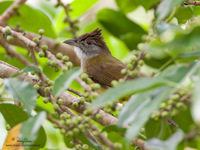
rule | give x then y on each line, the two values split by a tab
89	45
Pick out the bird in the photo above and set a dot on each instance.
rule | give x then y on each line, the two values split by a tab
96	58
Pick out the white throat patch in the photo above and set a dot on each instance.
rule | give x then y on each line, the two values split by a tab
80	54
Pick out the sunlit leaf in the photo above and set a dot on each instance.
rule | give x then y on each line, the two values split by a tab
126	89
30	128
23	92
13	114
64	81
171	143
30	19
166	7
129	32
28	69
138	109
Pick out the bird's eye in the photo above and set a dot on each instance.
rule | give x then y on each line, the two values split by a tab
89	42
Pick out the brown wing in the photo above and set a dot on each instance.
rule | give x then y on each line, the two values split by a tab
105	72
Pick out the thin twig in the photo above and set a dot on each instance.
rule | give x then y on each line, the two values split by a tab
102	138
195	3
75	92
10	12
13	53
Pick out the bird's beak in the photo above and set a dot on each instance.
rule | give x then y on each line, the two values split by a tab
72	42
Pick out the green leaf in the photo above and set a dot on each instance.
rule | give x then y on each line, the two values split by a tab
126	89
64	81
113	128
166	7
182	42
127	5
41	139
178	73
78	9
23	92
138	109
163	26
28	69
30	128
88	141
120	26
130	5
195	111
13	114
170	144
183	14
38	19
188	56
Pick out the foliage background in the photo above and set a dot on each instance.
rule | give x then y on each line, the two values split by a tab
166	31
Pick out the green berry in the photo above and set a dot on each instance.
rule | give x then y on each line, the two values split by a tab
118	146
50	83
57	43
36	40
62	122
81	127
147	56
75	104
170	102
45	100
180	105
65	69
98	116
56	69
55	106
87	95
69	134
41	31
130	66
44	47
133	59
41	54
65	58
60	101
175	96
48	62
141	46
47	89
53	63
8	127
95	86
76	131
59	55
163	105
95	95
9	38
164	114
85	147
87	119
63	131
133	73
84	76
78	146
7	30
32	72
114	83
123	71
140	62
88	81
69	64
82	100
36	86
87	112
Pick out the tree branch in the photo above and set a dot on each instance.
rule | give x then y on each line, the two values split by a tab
195	3
10	12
